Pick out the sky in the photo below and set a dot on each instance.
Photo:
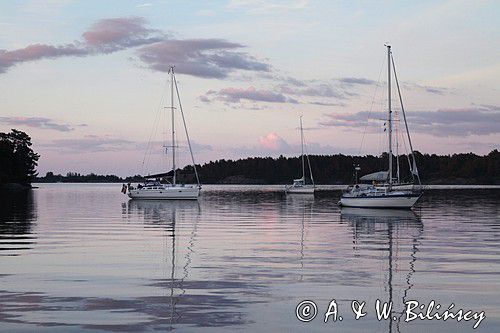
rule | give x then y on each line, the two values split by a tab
88	81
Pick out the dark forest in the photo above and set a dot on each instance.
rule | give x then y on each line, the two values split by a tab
466	168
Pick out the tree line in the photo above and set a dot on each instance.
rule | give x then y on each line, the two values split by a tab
18	164
465	168
75	177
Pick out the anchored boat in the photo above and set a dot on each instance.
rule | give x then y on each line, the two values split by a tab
165	185
300	186
387	190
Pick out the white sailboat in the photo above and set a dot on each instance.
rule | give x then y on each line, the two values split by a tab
300	186
386	191
153	187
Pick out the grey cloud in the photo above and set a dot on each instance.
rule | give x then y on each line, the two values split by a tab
322	89
196	146
90	144
158	147
246	106
235	95
285	92
354	120
209	58
490	107
428	89
435	90
283	79
336	89
356	80
351	81
255	107
37	122
456	122
293	81
328	104
442	122
96	144
475	145
238	60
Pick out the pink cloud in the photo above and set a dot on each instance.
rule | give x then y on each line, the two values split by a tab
123	30
209	57
273	142
104	36
38	51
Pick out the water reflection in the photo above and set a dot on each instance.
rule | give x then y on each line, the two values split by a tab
303	206
240	261
401	230
17	216
190	301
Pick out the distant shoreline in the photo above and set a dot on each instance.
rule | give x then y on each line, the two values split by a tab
456	169
319	187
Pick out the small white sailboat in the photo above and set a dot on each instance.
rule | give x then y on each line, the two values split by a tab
153	187
300	186
387	191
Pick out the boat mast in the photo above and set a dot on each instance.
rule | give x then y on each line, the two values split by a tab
389	110
302	145
173	120
187	134
413	165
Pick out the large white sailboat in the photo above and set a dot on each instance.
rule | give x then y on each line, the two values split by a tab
158	186
387	191
300	186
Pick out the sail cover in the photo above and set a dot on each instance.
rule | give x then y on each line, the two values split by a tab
160	175
376	176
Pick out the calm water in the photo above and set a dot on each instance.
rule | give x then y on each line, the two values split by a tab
83	258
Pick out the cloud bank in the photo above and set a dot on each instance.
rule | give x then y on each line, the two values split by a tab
235	95
208	58
289	90
37	122
104	143
467	121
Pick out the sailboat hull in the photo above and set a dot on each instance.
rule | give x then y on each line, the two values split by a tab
389	201
168	193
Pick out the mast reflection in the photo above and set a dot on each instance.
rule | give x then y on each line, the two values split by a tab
399	229
303	206
165	214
